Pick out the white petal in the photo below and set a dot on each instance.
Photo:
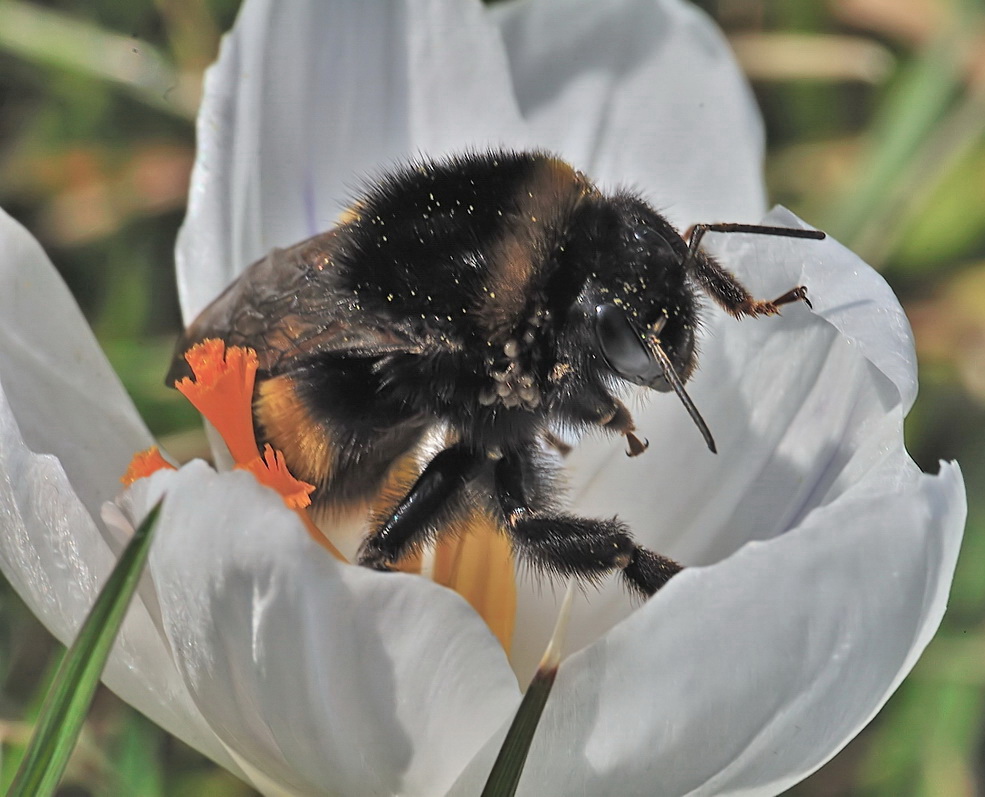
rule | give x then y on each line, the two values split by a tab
56	559
62	391
837	279
643	93
744	677
285	141
329	678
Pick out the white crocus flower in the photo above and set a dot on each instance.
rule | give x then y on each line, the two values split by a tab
821	555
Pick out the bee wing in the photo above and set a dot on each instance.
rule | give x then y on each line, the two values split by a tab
286	307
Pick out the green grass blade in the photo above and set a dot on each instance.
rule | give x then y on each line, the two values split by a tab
65	707
505	774
910	114
506	771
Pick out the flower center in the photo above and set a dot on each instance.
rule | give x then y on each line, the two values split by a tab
477	563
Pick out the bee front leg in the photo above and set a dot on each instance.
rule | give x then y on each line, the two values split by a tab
611	414
622	422
722	286
423	509
573	546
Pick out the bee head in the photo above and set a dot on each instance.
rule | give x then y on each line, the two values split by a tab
637	301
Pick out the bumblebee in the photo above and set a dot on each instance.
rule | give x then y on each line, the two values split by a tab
492	299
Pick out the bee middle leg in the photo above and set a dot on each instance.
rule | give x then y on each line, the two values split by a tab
568	545
433	497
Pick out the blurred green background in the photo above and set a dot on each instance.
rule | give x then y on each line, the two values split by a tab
875	111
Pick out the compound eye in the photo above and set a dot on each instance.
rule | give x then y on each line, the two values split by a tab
622	346
656	244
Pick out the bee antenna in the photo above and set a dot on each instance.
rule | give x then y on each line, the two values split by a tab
694	235
675	382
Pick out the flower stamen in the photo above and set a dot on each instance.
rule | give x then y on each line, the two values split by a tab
478	565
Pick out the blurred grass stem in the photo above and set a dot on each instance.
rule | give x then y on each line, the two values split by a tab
55	39
949	143
909	117
799	56
67	702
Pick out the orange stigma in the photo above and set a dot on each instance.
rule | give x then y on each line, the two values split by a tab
271	470
223	392
143	464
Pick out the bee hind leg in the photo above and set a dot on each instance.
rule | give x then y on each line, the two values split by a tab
572	546
418	515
